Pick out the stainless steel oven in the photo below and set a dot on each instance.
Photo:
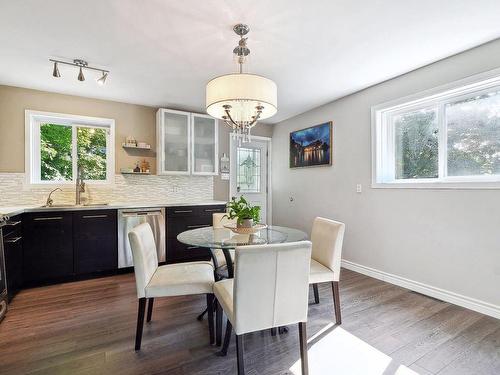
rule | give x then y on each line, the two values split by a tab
3	277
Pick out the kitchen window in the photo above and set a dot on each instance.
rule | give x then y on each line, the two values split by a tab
444	138
56	144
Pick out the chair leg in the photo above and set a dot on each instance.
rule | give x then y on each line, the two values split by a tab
273	331
150	309
140	323
227	339
316	293
210	309
218	323
303	348
239	354
336	301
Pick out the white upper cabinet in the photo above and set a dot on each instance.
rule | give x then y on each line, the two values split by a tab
204	140
187	143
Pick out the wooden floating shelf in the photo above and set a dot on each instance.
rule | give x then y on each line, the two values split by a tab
142	173
136	147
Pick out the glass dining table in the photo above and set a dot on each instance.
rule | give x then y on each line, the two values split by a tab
212	238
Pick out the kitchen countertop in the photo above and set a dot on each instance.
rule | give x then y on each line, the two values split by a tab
16	210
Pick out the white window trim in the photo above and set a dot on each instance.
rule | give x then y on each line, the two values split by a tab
382	150
33	118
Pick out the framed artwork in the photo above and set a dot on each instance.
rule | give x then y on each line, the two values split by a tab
311	147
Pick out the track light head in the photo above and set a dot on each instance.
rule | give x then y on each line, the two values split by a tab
101	81
81	77
55	71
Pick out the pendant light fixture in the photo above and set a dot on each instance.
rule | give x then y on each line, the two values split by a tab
241	99
81	65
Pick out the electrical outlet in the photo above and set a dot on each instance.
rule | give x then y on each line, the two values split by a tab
358	188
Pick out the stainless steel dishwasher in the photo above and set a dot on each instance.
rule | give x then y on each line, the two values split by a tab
130	218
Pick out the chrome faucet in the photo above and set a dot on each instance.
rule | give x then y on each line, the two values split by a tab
80	186
49	201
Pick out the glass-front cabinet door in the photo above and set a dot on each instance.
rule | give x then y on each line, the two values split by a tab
204	137
174	146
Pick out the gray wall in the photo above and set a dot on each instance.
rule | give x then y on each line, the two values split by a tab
447	239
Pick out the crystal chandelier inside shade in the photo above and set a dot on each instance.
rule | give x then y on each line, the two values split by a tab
241	99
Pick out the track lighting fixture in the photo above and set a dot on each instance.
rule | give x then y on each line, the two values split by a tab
80	64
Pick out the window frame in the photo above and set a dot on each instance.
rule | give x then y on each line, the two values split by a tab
383	137
33	120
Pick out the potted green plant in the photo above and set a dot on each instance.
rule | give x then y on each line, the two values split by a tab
245	214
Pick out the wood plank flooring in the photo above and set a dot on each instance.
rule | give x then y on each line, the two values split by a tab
88	327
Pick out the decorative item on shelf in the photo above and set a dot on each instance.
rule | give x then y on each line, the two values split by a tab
241	99
130	141
224	167
312	146
145	166
137	169
247	216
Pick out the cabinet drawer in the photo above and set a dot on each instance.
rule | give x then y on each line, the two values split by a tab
14	224
209	210
179	252
182	211
176	226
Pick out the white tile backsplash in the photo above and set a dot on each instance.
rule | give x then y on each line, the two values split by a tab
126	189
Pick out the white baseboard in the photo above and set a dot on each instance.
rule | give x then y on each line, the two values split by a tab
444	295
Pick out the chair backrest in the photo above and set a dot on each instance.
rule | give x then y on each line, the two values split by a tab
271	285
327	237
144	254
220	219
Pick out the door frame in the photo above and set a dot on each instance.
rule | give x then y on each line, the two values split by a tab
269	174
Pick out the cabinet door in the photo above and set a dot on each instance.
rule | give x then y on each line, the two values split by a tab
205	139
13	249
173	132
48	250
95	241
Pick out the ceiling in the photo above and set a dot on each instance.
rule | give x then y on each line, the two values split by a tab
162	53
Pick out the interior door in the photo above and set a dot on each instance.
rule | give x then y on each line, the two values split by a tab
249	173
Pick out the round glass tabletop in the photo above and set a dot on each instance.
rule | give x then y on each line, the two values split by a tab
225	239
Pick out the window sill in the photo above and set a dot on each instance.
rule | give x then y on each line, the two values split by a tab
442	185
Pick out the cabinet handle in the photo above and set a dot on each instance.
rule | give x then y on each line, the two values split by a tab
198	226
47	218
12	223
13	240
213	209
182	211
94	216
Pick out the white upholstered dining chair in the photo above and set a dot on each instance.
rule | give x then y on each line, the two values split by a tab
327	237
270	289
166	281
218	222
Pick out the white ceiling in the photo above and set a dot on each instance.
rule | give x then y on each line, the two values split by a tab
162	53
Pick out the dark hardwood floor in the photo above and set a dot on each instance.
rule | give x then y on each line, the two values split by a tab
88	327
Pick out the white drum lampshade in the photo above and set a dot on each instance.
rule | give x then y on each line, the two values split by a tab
243	92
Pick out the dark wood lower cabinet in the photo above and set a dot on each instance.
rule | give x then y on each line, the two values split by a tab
13	252
67	245
95	241
48	246
182	218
